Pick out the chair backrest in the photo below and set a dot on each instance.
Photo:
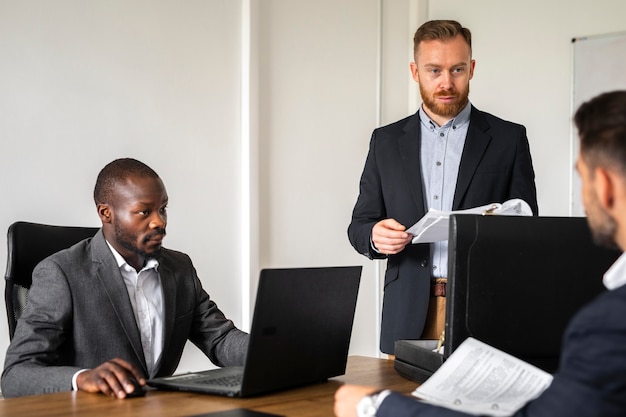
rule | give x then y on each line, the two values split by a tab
28	244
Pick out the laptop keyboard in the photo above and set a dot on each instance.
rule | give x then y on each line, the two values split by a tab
223	381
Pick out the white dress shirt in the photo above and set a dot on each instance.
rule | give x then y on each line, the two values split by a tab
615	277
146	297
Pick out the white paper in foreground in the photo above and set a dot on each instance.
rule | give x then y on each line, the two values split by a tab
482	380
433	227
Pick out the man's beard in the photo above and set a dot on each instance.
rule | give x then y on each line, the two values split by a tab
127	241
445	110
603	228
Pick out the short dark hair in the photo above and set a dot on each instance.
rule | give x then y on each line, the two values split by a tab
115	172
441	30
601	124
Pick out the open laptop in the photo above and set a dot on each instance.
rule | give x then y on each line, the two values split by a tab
300	334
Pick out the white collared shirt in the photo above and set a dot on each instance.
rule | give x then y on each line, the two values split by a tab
146	297
615	277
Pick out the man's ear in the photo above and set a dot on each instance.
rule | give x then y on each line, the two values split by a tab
105	213
604	183
414	73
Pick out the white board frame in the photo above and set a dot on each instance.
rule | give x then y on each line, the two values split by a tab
599	65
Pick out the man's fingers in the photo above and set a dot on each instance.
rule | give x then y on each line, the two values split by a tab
113	378
391	224
389	237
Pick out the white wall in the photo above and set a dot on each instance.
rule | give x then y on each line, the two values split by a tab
318	93
82	83
85	82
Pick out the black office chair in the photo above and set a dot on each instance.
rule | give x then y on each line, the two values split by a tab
28	244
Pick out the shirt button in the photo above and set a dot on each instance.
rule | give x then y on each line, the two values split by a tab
441	134
436	197
438	163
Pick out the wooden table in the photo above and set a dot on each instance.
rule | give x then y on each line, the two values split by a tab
309	401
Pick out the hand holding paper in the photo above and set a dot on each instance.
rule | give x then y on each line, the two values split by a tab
433	227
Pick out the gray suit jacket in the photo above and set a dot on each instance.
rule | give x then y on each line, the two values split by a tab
495	166
79	315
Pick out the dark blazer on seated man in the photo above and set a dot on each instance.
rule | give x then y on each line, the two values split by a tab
78	316
117	308
495	166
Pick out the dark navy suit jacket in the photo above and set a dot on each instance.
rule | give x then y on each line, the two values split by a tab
495	166
591	380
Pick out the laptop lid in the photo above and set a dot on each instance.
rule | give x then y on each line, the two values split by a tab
515	282
300	333
301	327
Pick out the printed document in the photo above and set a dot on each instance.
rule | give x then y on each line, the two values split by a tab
433	227
482	380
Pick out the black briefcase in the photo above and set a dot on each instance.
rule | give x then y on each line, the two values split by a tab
416	359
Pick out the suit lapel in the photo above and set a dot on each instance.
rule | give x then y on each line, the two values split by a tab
112	281
476	143
409	145
168	284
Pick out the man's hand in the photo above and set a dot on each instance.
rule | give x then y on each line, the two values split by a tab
389	236
347	397
113	378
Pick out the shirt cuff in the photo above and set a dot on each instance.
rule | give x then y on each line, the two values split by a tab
381	397
373	247
369	404
74	387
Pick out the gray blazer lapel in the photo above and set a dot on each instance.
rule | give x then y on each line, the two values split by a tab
476	143
112	281
168	284
409	147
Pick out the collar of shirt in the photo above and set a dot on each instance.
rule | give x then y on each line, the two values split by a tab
615	277
152	263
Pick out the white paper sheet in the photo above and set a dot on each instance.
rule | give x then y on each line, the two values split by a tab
433	227
482	380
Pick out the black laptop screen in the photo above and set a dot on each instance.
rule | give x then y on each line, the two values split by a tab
515	282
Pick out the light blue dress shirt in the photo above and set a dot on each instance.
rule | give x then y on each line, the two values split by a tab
441	150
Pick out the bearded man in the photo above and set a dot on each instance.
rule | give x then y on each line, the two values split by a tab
447	156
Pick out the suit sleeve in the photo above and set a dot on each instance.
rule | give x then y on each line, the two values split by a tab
369	208
398	405
523	179
37	345
214	334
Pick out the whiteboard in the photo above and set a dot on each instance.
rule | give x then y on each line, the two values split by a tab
599	65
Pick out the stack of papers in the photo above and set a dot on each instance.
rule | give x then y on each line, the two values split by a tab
433	227
482	380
